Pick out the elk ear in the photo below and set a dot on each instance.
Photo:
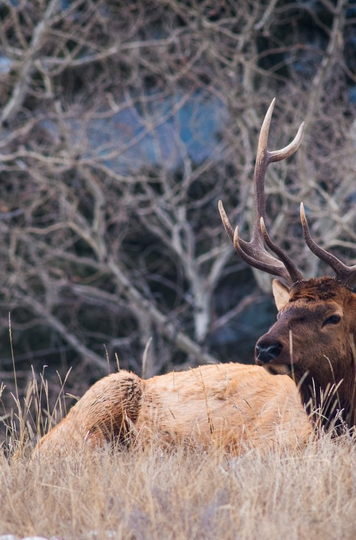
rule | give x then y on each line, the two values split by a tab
280	293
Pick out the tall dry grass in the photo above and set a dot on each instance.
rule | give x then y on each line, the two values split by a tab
139	495
305	493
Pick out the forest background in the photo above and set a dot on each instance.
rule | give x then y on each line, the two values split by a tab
121	126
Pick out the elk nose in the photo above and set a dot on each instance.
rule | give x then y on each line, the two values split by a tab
267	352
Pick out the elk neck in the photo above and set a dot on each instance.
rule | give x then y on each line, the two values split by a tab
328	388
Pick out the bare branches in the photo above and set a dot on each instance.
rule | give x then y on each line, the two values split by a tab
26	70
123	125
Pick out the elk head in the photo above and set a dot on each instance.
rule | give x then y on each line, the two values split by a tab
313	339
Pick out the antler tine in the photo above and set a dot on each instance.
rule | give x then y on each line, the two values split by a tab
259	175
253	252
344	274
263	159
266	264
290	149
226	222
292	269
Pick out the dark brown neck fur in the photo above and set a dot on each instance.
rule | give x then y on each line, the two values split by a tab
331	406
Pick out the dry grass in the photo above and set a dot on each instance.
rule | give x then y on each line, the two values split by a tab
151	495
303	493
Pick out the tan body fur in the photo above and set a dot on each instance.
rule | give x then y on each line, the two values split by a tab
233	406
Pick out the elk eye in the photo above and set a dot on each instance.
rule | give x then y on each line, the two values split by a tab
334	319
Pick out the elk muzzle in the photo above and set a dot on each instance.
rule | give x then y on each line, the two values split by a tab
266	351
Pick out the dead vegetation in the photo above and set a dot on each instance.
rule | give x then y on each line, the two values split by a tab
309	493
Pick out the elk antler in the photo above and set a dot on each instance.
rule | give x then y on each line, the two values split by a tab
344	274
253	252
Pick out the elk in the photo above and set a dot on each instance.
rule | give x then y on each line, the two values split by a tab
308	357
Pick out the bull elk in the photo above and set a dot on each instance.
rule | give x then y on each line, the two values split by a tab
308	357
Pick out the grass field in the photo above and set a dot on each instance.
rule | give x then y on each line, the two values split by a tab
303	493
136	495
